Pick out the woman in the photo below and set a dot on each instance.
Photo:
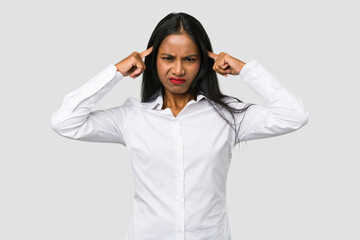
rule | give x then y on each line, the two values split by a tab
182	133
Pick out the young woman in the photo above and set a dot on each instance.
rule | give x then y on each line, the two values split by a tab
182	132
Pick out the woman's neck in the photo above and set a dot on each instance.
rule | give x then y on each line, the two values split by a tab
176	101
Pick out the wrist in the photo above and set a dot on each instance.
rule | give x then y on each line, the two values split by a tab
118	68
242	64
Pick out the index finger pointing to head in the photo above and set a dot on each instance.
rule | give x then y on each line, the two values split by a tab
212	55
146	52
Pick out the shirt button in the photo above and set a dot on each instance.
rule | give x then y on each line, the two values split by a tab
180	201
180	230
178	146
180	173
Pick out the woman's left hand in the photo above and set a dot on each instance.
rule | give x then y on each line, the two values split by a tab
226	64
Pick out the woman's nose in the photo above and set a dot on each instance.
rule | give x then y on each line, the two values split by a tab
178	69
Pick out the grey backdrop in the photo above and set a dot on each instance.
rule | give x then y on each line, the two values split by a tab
303	185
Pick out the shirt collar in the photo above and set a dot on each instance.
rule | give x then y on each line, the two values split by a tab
158	102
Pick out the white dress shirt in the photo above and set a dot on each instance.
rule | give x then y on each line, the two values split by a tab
179	164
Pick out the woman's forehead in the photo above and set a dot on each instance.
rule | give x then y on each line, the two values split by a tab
178	43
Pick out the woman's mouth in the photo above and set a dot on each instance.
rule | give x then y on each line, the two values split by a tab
177	80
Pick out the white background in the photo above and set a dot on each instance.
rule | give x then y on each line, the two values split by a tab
303	185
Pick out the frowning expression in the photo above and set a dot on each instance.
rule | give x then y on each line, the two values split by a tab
178	57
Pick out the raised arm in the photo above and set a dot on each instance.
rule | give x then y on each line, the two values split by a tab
284	112
75	120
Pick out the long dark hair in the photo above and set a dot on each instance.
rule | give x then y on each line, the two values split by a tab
206	81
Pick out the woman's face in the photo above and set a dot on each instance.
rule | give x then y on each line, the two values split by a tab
178	57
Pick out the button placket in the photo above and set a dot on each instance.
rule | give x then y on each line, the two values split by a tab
179	146
179	166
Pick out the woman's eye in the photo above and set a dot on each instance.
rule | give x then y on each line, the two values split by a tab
188	59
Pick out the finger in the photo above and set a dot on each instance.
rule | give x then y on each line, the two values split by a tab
212	55
224	66
140	63
218	69
222	72
136	72
140	68
219	63
146	52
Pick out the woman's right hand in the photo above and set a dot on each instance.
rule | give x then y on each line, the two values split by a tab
133	64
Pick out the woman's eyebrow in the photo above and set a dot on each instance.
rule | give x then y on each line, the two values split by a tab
192	55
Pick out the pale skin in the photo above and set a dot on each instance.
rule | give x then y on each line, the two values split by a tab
178	56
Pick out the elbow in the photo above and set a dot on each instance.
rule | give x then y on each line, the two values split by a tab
304	118
301	120
292	121
61	127
55	128
54	124
68	128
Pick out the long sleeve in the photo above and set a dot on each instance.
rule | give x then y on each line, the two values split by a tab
283	114
75	120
